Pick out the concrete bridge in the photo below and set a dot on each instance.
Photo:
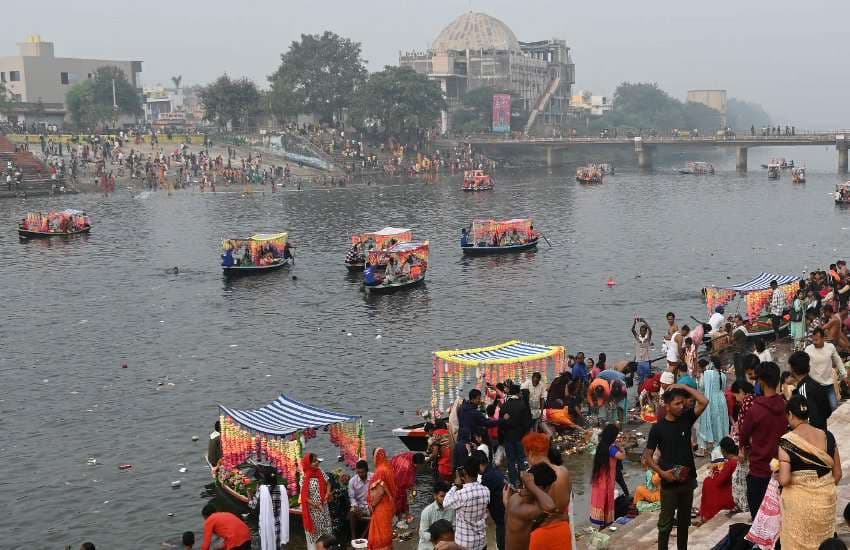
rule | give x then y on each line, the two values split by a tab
645	146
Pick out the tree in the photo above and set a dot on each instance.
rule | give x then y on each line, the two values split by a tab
321	73
177	80
742	115
231	102
5	100
90	102
399	98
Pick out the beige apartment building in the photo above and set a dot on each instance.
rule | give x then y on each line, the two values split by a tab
36	74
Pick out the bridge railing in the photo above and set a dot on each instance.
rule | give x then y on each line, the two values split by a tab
813	137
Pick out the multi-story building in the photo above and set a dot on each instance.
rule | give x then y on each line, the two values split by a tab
36	76
477	51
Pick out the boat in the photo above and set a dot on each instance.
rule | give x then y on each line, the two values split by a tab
842	193
697	168
606	167
590	174
774	170
272	438
362	243
455	370
63	223
798	174
404	266
755	294
260	253
477	180
516	235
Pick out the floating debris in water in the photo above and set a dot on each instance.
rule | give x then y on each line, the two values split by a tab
125	466
194	438
175	483
182	470
234	345
91	461
378	337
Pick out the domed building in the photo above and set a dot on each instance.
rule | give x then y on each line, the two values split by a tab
477	50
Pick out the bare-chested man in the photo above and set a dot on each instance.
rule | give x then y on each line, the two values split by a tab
527	505
537	450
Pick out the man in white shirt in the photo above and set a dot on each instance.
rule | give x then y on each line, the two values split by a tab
716	321
469	499
824	360
536	398
358	492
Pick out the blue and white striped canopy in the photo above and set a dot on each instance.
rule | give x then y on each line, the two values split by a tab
513	351
285	416
762	282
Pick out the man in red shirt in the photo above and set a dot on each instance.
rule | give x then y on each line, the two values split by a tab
226	526
762	426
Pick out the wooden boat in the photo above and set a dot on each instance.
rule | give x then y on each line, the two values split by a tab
485	250
842	193
236	270
413	254
798	175
381	240
260	253
590	174
477	180
413	437
389	288
63	223
27	234
774	170
697	169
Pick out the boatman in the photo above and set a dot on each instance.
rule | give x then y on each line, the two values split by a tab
464	238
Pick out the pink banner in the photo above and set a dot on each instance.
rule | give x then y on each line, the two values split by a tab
502	113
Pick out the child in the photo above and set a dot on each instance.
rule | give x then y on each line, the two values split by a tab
188	540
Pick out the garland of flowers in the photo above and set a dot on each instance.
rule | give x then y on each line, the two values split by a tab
239	444
718	297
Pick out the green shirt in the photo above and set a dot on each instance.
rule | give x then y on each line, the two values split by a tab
430	514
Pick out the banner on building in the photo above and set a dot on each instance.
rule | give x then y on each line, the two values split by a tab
502	113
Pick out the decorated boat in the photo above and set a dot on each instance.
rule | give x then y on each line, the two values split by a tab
401	266
798	174
63	223
842	193
456	370
755	294
697	168
258	253
362	243
477	180
591	173
498	237
274	437
774	170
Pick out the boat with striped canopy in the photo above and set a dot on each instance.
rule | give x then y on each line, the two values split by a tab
456	369
755	294
274	436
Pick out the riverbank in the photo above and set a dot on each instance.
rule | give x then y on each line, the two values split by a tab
642	532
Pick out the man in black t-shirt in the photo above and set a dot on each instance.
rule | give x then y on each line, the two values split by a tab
671	436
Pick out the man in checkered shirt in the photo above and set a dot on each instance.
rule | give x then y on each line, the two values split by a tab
469	500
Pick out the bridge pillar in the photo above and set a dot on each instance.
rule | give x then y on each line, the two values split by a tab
842	145
644	156
549	157
741	160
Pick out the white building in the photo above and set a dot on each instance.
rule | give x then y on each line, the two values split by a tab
37	75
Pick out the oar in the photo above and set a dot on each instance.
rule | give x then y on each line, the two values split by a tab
651	361
547	240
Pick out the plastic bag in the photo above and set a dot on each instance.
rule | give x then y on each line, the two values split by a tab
499	458
765	529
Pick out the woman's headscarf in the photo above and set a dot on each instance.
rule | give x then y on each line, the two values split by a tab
384	473
311	472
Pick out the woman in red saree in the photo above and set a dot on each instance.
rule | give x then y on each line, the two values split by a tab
382	494
604	476
404	466
717	487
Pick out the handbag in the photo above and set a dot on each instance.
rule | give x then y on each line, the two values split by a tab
766	526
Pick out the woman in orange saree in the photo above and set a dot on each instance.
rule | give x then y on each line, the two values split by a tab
382	492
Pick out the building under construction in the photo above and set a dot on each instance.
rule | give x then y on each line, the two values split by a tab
477	50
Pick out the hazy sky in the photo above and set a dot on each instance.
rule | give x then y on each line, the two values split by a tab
789	55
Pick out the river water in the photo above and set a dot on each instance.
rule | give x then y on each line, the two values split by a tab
76	310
